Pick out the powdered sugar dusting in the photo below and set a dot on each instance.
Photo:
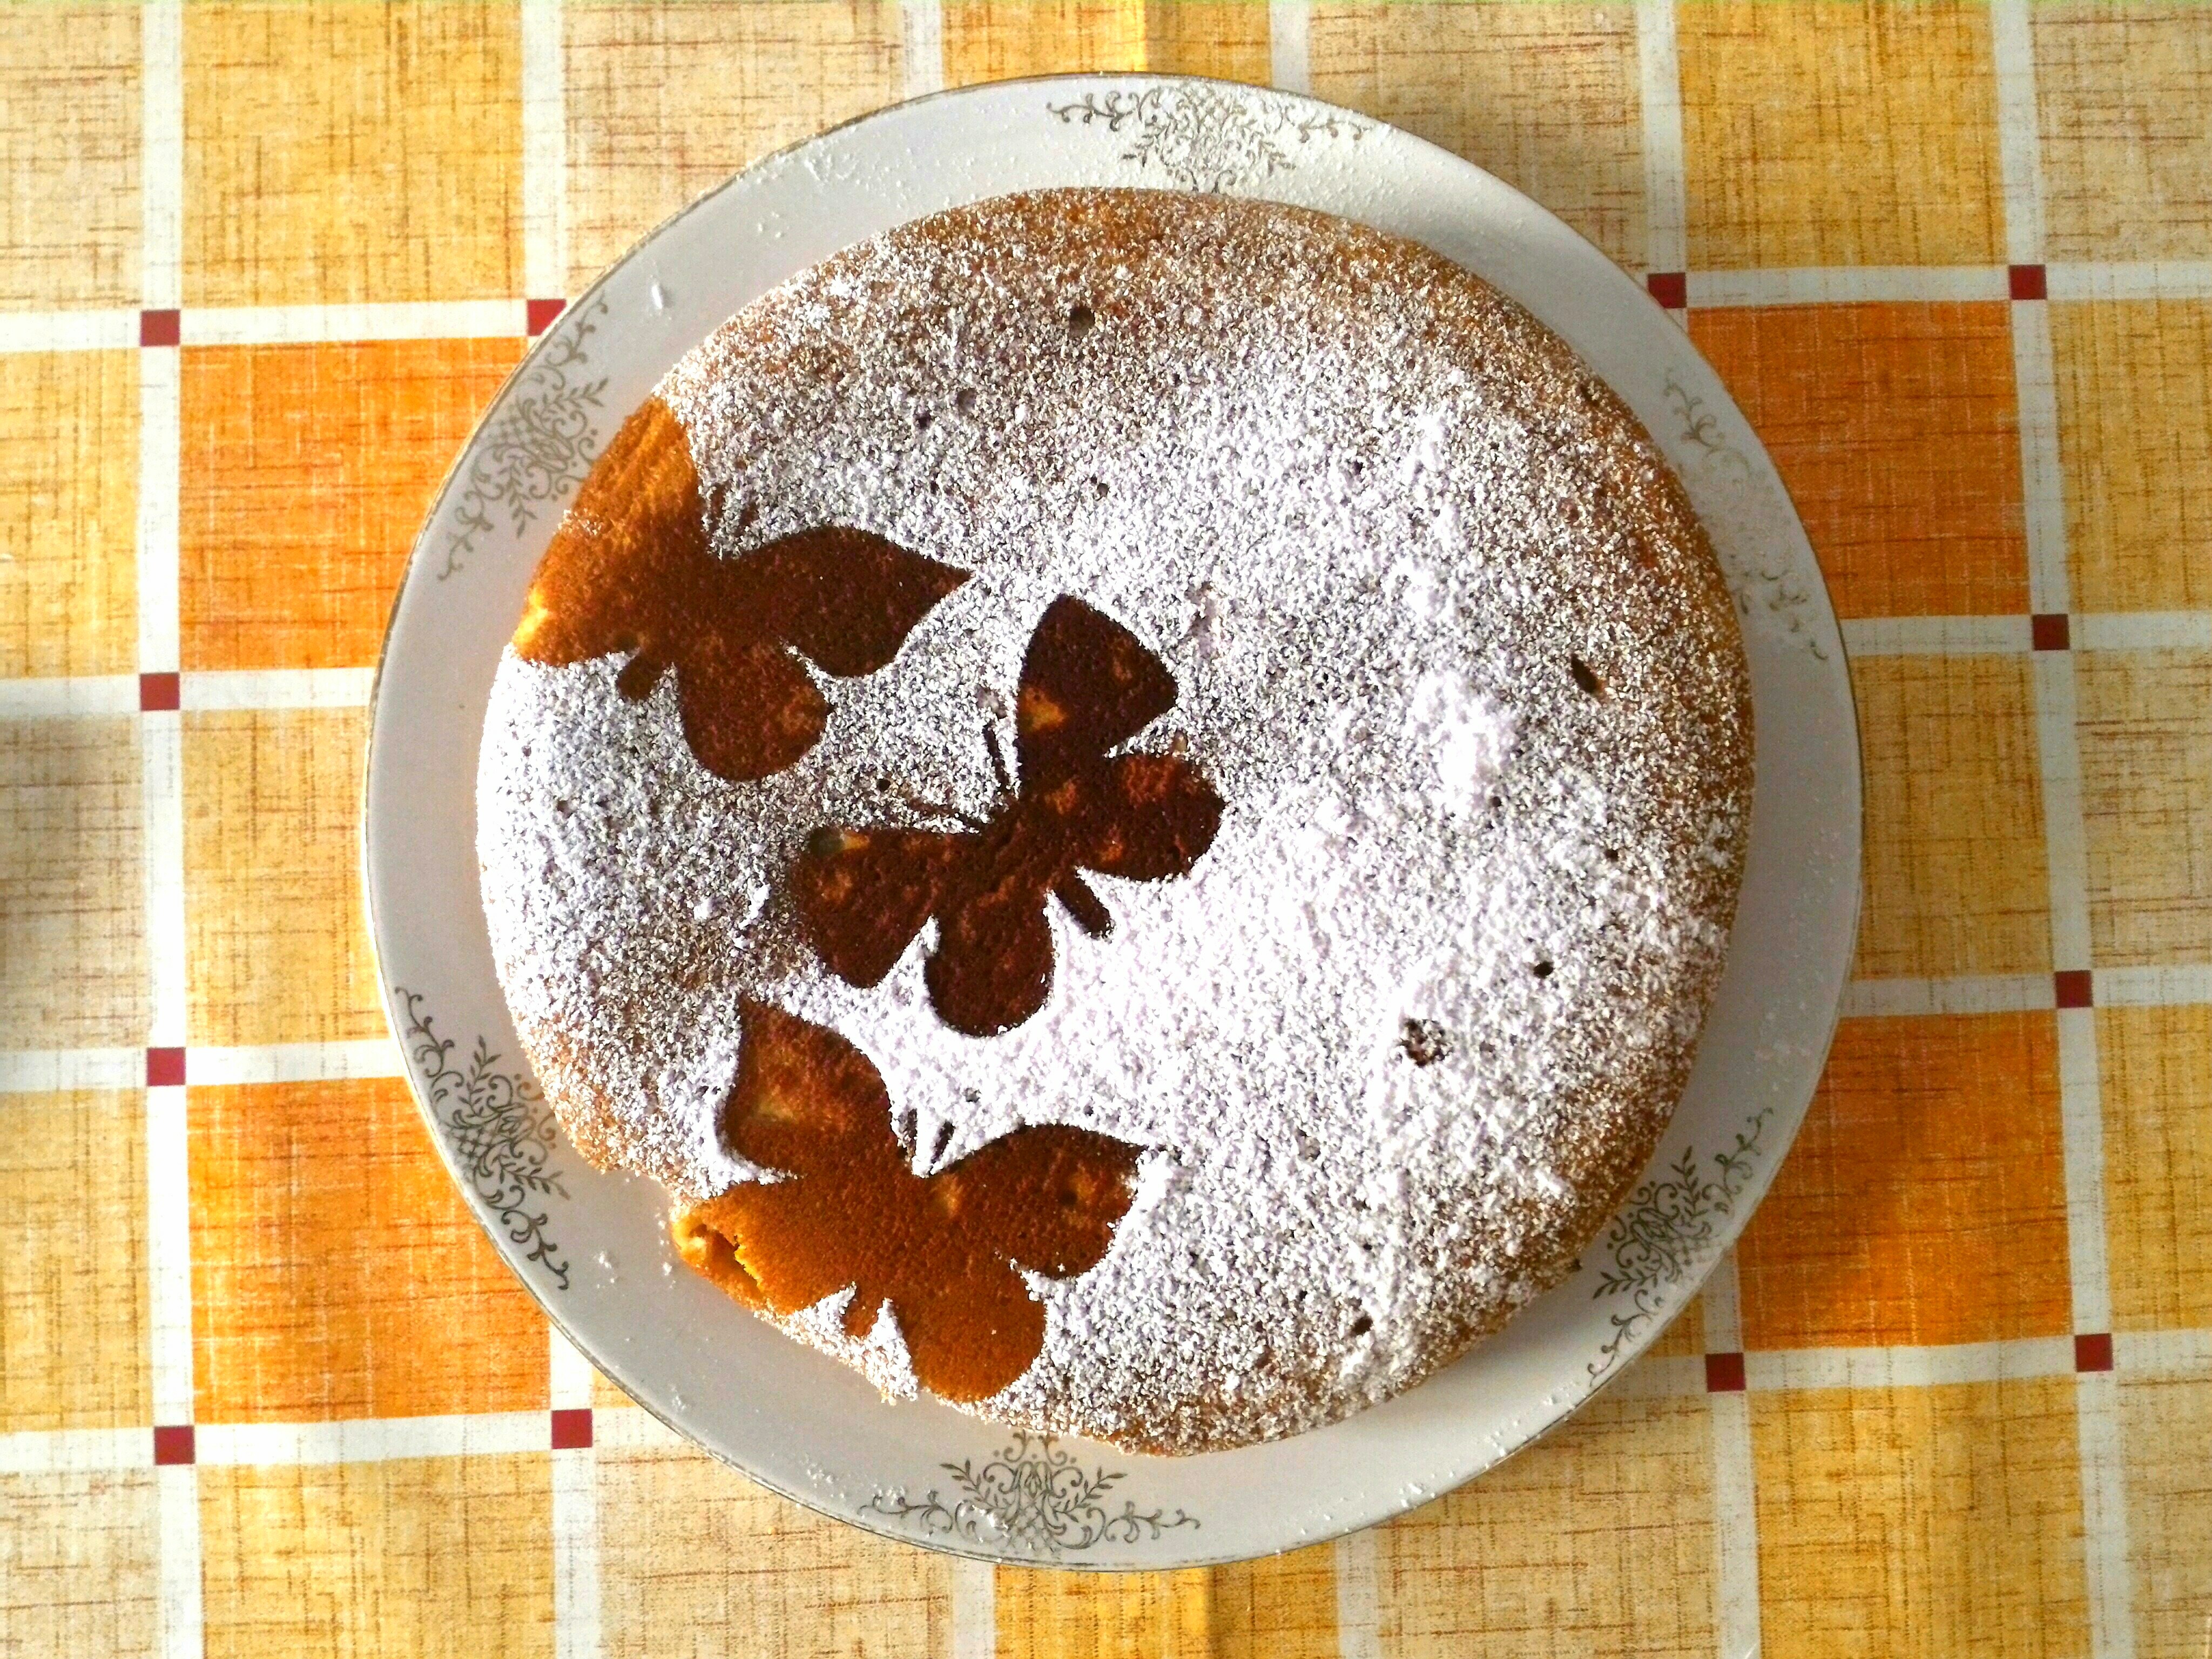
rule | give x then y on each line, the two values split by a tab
1420	1011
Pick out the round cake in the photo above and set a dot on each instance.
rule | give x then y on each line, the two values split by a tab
1134	800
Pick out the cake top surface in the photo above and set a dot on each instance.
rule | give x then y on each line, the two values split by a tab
1399	589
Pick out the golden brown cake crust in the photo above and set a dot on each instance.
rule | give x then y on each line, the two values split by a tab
1443	640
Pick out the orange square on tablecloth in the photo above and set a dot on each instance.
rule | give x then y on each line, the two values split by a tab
69	513
1925	1199
73	1350
677	1530
2165	1424
2134	381
1896	429
306	473
1548	97
1282	1608
1815	134
448	1558
342	153
82	1552
337	1272
275	934
70	99
663	103
1920	1523
2123	99
2155	1065
994	40
1956	877
2145	730
1597	1539
72	885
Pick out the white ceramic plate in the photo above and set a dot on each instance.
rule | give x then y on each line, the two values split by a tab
591	1247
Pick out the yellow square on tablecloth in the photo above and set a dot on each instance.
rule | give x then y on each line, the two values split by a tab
306	471
2165	1424
73	1261
665	102
1956	881
68	504
1924	1200
2155	1066
273	920
2146	742
336	1271
673	1523
1896	429
2135	445
1816	134
70	99
1545	96
2123	98
341	152
447	1557
80	1566
1920	1523
1598	1538
72	885
1001	39
1282	1608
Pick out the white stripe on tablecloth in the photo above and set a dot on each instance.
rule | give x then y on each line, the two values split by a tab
295	1062
975	1610
544	158
922	46
168	1186
2150	279
68	330
372	1439
407	320
1986	993
2144	630
1290	44
1935	637
1736	1493
1659	74
2111	1623
1848	285
575	1513
276	688
1358	1561
53	697
1910	1367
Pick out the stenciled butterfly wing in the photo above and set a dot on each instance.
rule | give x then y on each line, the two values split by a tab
1047	1199
1088	684
864	894
846	1210
630	551
749	709
845	598
1145	817
992	968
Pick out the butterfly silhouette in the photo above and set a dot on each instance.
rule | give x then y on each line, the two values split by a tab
1087	686
847	1209
630	569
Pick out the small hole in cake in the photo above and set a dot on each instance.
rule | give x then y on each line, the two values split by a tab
1362	1324
1424	1041
1080	321
921	421
1586	678
1613	855
965	400
1098	488
1307	1146
1355	466
1542	970
564	807
943	1139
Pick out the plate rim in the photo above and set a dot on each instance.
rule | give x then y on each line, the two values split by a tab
879	1524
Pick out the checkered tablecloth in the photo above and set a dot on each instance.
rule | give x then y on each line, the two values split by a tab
264	1389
